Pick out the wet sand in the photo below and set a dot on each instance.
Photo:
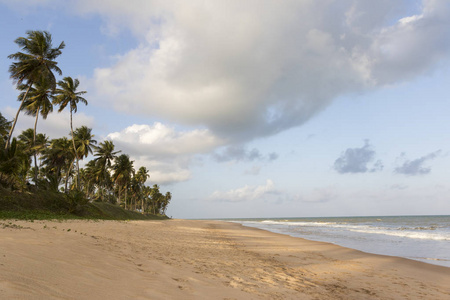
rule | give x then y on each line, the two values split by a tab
183	259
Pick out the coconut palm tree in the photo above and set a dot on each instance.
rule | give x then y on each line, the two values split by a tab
157	198
84	142
5	126
26	143
67	95
89	176
123	170
141	177
38	101
135	189
166	201
146	193
14	164
105	154
36	60
58	157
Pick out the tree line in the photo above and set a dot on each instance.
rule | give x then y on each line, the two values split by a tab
34	161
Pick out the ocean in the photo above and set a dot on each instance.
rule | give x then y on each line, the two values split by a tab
422	238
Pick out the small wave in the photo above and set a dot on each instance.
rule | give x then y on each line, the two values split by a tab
293	223
418	228
431	258
408	234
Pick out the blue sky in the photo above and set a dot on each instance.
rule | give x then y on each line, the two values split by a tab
259	109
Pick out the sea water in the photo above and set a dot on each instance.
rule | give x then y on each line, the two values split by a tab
422	238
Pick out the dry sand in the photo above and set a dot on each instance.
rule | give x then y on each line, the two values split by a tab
181	259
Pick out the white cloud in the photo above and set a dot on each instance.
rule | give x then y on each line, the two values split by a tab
166	152
160	140
164	172
246	193
252	69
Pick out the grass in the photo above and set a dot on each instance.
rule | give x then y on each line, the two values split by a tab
48	205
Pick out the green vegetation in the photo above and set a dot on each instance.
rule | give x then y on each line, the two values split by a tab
41	178
45	205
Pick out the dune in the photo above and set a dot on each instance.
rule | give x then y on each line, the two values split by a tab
186	259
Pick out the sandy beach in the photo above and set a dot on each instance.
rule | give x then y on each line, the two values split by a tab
183	259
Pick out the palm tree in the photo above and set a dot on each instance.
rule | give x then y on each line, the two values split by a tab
14	164
58	157
141	177
166	201
67	94
105	155
123	170
84	142
5	125
146	193
89	178
38	101
36	61
26	142
135	189
157	198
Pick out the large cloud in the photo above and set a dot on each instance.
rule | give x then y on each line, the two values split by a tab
160	140
255	68
166	152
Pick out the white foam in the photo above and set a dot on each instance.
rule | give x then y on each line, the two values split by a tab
408	234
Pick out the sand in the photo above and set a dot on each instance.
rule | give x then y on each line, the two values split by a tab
182	259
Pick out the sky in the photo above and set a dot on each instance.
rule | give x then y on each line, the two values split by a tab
257	109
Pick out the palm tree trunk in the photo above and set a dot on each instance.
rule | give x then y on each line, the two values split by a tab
17	116
67	176
126	189
34	149
120	189
75	149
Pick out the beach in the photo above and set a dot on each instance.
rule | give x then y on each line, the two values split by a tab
187	259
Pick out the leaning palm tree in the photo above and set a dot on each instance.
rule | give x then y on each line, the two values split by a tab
65	95
123	170
36	60
38	101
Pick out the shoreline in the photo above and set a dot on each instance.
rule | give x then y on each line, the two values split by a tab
187	259
431	261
